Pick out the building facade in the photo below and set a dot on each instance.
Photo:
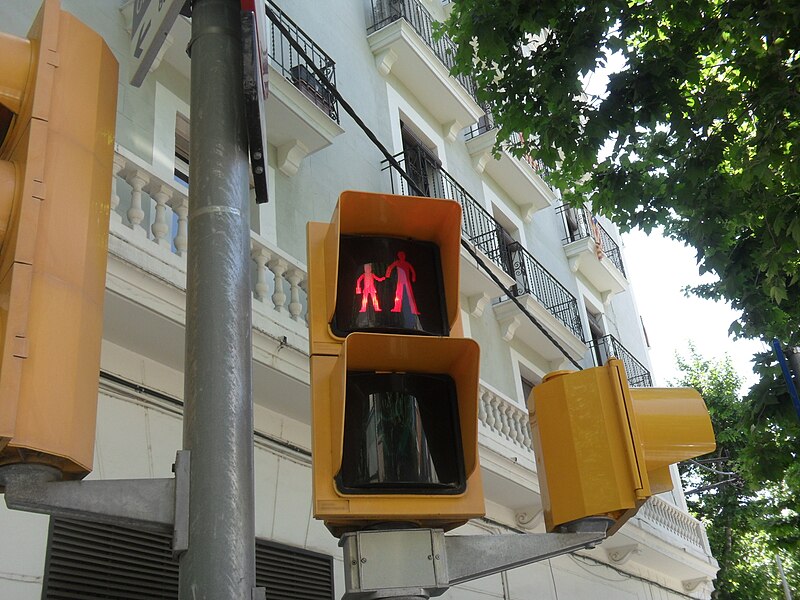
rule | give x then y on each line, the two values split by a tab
564	265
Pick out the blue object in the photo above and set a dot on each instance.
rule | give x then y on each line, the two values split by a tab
776	345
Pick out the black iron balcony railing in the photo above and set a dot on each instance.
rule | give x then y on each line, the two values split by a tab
532	278
481	228
607	347
579	224
484	124
295	68
386	12
477	225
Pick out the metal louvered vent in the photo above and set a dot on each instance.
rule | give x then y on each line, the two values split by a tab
94	561
293	574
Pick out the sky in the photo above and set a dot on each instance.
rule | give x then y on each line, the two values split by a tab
659	268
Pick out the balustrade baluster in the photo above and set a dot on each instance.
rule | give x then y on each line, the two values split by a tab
294	276
180	206
161	193
518	420
278	267
505	425
261	256
491	418
527	435
119	164
137	180
304	286
482	409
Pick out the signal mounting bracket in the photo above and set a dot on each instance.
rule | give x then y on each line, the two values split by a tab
422	563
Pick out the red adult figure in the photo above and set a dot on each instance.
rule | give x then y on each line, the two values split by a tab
368	290
404	272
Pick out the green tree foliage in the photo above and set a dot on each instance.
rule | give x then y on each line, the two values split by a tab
745	493
698	133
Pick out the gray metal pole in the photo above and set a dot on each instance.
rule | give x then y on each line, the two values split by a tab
218	419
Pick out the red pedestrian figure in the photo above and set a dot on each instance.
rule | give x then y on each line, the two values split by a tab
404	272
368	290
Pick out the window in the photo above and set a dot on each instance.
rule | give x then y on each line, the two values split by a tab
181	149
597	333
527	388
421	164
94	561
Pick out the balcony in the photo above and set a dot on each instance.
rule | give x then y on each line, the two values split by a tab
607	347
146	285
520	178
401	38
302	113
663	538
592	252
478	227
551	304
507	461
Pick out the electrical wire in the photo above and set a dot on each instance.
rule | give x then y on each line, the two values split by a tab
398	167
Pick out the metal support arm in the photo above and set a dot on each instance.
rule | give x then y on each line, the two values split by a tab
152	504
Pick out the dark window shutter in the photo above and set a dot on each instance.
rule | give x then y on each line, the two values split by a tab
95	561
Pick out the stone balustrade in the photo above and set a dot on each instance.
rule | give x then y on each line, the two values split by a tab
152	214
504	419
663	515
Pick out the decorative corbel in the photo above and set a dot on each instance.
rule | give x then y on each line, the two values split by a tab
622	554
691	585
477	304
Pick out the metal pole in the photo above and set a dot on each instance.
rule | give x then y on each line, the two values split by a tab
218	419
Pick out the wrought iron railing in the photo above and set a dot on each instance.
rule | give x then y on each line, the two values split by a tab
532	278
386	12
579	223
481	228
429	179
295	68
607	347
484	124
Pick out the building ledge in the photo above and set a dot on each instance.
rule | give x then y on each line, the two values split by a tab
599	271
400	51
515	176
515	324
296	126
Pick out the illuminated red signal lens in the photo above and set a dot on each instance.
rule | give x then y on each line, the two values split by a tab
389	285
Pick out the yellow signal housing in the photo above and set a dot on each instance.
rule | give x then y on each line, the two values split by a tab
363	213
58	91
343	511
602	448
347	502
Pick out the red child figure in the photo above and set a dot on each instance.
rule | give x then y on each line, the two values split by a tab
368	277
404	270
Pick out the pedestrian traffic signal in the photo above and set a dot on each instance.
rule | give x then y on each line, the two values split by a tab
58	91
602	448
394	398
